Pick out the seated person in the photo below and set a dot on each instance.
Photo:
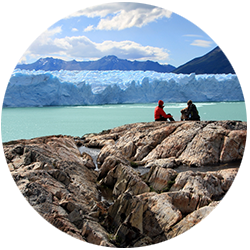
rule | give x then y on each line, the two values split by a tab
159	113
190	112
184	115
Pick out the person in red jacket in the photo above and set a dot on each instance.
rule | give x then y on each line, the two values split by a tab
159	113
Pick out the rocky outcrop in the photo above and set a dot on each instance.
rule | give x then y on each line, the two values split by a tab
147	169
164	214
160	179
191	143
190	220
59	183
124	178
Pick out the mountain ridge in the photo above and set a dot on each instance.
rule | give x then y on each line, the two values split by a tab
110	62
214	62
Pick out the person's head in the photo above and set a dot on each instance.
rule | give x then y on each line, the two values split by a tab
160	103
189	102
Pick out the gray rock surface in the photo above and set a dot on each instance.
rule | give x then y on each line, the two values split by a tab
152	196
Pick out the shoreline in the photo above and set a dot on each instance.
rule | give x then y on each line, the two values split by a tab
245	123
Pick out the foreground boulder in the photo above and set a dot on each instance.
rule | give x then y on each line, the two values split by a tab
160	179
189	221
145	191
56	180
124	178
158	216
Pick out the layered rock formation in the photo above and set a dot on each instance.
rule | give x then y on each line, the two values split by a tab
156	175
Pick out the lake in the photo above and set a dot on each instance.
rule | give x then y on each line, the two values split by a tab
30	122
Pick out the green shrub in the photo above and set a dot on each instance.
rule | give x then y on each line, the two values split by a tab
168	187
133	164
154	190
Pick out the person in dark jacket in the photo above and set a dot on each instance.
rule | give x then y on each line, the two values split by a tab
192	113
159	113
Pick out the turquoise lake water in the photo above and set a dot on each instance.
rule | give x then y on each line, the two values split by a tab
27	123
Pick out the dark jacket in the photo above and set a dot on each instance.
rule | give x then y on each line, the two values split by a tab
192	113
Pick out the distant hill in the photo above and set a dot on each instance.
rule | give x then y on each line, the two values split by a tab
214	62
105	63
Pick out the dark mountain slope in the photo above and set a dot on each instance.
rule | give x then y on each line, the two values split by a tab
214	62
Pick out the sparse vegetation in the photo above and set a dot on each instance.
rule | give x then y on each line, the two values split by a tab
134	164
168	187
154	190
114	239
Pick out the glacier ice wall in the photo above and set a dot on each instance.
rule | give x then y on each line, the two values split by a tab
40	88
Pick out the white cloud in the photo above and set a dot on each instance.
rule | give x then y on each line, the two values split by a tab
118	16
52	32
81	47
131	50
202	43
89	28
45	44
74	30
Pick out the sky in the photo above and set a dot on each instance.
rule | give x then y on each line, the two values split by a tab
131	31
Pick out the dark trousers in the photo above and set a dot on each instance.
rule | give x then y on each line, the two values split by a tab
165	119
194	118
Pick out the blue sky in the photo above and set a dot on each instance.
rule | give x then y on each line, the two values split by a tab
130	31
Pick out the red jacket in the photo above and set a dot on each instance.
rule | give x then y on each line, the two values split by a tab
159	112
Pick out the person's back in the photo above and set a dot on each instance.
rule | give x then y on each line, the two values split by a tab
192	112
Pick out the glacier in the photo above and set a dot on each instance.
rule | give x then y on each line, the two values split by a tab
56	88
